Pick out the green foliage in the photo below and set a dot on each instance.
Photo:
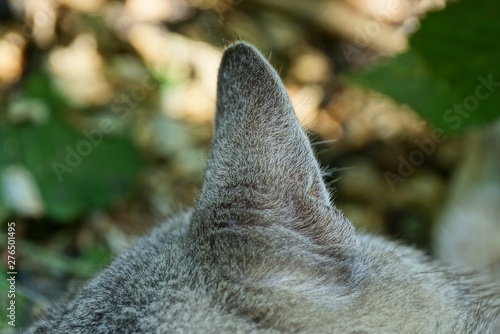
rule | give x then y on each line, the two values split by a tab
73	173
96	256
443	75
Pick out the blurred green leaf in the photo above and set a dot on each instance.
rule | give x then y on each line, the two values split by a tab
74	172
460	43
406	79
451	74
97	256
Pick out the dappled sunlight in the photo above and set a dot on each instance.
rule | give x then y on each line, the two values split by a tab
107	112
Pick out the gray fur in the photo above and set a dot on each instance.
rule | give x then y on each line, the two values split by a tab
265	251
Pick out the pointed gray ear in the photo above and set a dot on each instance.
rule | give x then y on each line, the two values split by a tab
261	169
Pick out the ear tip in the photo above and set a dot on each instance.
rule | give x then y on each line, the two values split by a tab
240	46
242	53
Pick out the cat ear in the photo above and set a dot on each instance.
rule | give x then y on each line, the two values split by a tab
261	169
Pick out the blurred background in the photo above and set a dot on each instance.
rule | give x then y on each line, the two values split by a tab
106	112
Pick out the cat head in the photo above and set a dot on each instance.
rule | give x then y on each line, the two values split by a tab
265	219
264	250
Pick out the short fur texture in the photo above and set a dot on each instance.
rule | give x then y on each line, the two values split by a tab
264	250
